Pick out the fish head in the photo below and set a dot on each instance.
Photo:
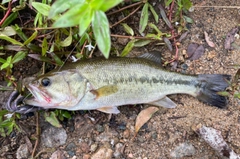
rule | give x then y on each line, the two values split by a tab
61	90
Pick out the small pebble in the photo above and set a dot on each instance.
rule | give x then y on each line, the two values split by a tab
183	150
99	128
23	152
103	153
118	150
93	147
126	133
53	137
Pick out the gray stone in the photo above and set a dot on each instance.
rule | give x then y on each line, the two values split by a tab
118	150
23	152
183	150
53	137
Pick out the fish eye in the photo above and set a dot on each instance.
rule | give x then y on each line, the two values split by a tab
45	82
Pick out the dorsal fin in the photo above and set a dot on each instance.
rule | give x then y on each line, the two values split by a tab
154	56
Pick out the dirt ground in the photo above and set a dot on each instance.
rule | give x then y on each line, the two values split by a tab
91	131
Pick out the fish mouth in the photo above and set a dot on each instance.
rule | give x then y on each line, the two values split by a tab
39	96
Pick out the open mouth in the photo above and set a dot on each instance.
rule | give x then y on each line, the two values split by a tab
38	95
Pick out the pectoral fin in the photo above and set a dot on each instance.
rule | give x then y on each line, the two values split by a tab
109	110
105	91
164	102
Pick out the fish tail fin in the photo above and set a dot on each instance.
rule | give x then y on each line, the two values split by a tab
209	85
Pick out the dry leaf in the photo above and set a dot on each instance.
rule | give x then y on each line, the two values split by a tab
230	38
210	43
191	49
183	36
144	116
168	43
197	53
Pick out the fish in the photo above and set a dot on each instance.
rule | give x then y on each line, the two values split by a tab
104	84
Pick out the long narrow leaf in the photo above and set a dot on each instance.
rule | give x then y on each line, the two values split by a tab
155	15
128	48
144	18
164	16
11	40
31	38
44	46
128	29
101	32
19	56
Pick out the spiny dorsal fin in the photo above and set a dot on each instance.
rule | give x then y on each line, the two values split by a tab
154	56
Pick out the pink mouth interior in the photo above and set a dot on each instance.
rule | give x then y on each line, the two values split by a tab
39	95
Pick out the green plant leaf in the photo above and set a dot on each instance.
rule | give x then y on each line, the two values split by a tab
143	18
154	36
41	8
168	2
237	95
188	19
19	56
8	31
9	19
141	43
6	123
128	29
71	17
155	15
31	38
128	48
223	93
101	32
5	1
7	63
2	60
85	21
96	4
20	33
38	20
186	4
44	46
61	6
41	58
56	59
52	119
2	113
11	40
66	114
153	26
109	4
66	42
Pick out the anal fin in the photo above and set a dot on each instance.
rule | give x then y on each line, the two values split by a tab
164	102
109	110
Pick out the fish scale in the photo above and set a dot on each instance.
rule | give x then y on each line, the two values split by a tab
106	84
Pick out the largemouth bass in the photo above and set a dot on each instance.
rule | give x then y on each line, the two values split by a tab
106	84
